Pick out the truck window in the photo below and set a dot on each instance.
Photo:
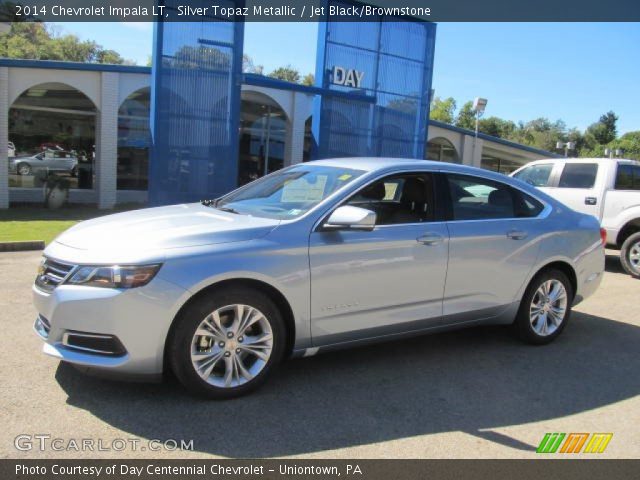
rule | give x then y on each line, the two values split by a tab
578	175
536	175
628	177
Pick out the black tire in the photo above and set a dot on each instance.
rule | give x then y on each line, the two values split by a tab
630	244
523	326
180	342
25	166
74	172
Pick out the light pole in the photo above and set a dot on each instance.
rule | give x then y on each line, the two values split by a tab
609	152
567	146
479	104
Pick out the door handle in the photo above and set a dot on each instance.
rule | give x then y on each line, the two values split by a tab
516	234
430	239
590	200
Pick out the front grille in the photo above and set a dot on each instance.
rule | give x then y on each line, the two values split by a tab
52	274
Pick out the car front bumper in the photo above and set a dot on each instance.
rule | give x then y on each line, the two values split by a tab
138	320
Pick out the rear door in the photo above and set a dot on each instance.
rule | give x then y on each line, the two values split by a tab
580	186
495	232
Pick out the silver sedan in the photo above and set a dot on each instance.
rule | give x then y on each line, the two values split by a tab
317	256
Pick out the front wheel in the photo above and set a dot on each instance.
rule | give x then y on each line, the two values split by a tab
225	345
24	169
545	308
630	255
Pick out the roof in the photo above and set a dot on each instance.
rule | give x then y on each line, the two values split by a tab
585	160
91	67
490	138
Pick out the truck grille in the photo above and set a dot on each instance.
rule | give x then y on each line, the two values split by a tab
51	274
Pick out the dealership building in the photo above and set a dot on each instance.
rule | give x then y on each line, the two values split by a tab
195	126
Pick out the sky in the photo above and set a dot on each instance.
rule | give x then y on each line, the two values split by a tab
569	71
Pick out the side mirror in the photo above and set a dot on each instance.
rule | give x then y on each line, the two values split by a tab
351	218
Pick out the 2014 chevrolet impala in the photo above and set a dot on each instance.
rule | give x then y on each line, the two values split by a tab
315	256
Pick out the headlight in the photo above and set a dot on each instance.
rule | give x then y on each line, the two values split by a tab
113	276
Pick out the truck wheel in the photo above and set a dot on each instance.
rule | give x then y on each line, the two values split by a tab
630	255
226	344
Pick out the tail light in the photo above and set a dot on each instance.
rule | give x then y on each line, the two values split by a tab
603	236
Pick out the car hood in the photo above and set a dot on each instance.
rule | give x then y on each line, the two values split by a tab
154	229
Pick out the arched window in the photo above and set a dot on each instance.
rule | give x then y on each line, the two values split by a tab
263	128
52	126
134	139
442	150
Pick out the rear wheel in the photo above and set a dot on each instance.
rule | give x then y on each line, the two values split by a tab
226	345
545	308
630	255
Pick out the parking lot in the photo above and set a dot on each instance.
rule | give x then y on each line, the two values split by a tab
471	393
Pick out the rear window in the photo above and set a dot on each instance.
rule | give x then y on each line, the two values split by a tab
628	177
578	175
536	175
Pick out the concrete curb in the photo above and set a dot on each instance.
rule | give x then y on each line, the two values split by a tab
21	246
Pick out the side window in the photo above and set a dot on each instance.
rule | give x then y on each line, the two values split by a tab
398	199
536	175
578	175
628	177
474	198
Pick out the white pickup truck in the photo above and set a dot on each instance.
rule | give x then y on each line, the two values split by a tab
608	189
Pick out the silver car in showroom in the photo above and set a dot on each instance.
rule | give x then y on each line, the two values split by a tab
316	256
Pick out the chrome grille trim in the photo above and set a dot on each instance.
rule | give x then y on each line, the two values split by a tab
53	274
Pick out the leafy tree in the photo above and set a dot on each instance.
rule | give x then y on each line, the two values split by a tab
39	41
604	130
443	110
309	80
288	74
466	117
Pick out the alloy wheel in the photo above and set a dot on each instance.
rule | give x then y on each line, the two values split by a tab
634	256
548	307
231	346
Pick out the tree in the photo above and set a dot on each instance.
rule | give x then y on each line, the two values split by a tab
288	74
466	117
309	80
604	130
39	41
443	110
249	67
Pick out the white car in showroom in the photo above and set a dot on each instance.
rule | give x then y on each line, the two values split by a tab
608	189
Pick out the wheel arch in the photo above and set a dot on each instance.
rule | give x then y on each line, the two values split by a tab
275	294
629	228
564	267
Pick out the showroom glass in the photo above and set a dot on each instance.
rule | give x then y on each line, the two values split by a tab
628	177
479	199
134	139
536	175
52	126
288	193
398	199
578	175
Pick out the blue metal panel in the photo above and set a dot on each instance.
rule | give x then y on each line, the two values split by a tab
395	59
195	108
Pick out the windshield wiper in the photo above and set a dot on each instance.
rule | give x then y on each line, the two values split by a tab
229	209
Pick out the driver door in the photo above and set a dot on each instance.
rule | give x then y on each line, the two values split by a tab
385	281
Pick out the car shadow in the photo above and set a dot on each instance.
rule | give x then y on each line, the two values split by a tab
471	380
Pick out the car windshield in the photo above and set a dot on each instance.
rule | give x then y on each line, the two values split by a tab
288	193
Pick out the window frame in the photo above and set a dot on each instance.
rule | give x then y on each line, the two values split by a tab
563	169
439	215
634	168
544	212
